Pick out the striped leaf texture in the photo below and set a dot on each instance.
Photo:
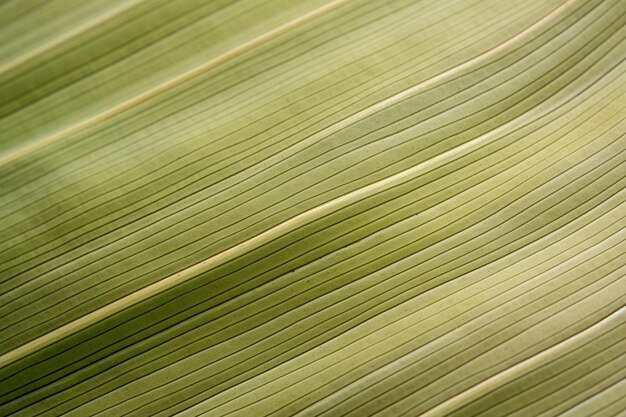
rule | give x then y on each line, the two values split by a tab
316	208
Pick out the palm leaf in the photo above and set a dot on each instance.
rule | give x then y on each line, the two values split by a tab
312	208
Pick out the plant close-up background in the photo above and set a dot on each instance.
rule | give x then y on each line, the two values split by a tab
313	208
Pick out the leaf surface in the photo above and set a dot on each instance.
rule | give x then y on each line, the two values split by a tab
312	208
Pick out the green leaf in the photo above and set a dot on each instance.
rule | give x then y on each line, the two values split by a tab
312	208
